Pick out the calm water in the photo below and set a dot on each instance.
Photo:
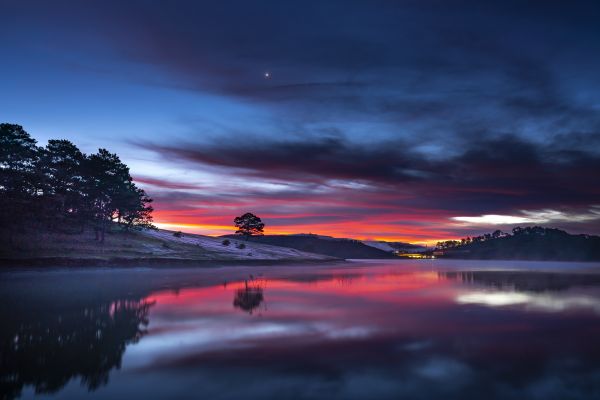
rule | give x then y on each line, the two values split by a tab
400	329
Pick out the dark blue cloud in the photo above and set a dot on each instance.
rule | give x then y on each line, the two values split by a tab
473	106
490	173
420	65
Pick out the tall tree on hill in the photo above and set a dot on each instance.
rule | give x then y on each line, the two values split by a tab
107	181
134	208
19	181
18	156
249	225
61	165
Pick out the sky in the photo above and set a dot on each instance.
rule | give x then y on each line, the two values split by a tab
413	121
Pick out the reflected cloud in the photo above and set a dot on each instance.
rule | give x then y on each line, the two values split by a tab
417	345
541	302
492	219
493	299
443	369
332	331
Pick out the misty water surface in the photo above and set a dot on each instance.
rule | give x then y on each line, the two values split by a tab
386	329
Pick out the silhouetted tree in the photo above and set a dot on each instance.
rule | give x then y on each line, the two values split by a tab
61	166
517	231
249	225
57	184
448	244
112	196
19	182
498	234
18	157
134	207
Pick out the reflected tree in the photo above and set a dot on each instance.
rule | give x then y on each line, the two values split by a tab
248	298
49	349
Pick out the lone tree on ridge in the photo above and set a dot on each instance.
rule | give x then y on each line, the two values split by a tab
249	225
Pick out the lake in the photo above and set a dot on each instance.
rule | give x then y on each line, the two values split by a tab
364	329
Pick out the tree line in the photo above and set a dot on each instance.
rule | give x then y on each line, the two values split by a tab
449	244
59	188
516	232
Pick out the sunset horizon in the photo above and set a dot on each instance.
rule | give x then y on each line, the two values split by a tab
414	123
181	205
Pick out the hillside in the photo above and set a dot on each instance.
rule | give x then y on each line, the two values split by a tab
148	244
329	246
393	246
533	243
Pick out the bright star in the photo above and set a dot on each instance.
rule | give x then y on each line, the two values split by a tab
267	75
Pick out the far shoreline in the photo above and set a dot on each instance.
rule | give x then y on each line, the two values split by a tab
159	262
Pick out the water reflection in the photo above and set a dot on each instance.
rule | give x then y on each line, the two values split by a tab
373	331
248	298
525	280
533	291
47	349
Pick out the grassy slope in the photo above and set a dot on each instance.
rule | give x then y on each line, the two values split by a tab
148	244
341	248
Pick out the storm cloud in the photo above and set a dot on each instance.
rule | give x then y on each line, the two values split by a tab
398	115
504	171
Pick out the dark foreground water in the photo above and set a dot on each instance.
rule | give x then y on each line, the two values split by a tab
401	329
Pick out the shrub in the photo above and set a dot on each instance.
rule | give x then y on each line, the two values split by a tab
226	242
241	246
178	234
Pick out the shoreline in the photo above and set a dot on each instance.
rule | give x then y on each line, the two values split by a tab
50	262
165	262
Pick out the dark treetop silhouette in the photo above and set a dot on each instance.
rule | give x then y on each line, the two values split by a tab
61	189
249	225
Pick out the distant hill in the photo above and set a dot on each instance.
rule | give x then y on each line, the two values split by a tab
393	246
531	243
325	245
